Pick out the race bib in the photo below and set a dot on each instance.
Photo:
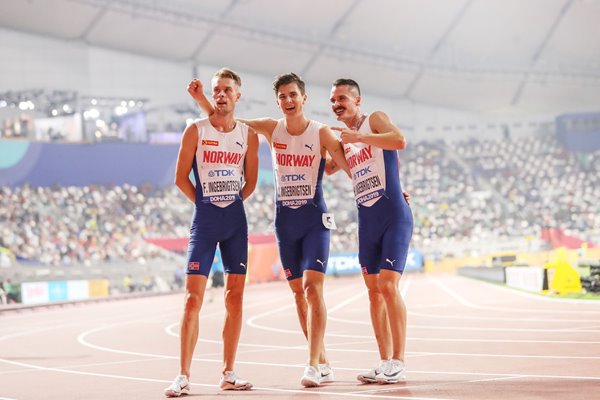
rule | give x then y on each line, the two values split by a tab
220	185
295	190
367	184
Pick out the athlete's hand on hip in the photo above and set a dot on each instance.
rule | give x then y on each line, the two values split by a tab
349	136
195	88
406	197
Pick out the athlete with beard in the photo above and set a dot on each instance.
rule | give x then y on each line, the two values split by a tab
298	147
385	221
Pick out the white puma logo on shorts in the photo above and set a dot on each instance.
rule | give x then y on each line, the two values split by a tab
390	261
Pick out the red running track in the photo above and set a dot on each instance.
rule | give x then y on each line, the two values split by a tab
466	340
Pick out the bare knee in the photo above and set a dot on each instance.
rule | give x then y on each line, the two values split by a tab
389	289
193	303
233	300
375	295
312	291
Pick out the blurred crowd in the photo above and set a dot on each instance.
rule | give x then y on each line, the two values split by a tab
470	191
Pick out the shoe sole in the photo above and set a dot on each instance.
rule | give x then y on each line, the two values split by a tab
387	381
231	386
366	380
307	382
171	393
327	379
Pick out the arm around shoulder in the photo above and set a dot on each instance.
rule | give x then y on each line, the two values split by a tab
335	149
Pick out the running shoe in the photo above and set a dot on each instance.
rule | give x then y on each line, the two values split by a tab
311	377
394	373
180	385
326	373
371	376
230	381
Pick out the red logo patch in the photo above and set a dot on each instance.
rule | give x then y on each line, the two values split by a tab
288	273
210	142
194	266
364	270
281	146
347	150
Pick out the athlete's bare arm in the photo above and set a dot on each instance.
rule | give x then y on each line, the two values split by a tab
385	134
265	126
195	90
330	166
250	165
187	150
334	148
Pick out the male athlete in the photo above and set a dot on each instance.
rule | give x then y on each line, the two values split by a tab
298	147
223	155
385	221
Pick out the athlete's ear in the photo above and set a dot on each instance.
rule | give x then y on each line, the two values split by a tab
305	98
357	100
238	96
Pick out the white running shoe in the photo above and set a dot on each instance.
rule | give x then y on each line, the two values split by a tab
371	376
311	377
394	373
230	381
180	385
326	373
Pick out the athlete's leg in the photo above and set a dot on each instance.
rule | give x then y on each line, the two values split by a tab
312	284
396	310
379	317
195	287
234	294
302	310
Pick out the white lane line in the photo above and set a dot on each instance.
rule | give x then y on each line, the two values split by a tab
467	303
82	340
469	328
508	289
255	389
458	373
510	319
439	385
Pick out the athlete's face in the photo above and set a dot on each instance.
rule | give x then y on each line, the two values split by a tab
290	99
345	103
225	94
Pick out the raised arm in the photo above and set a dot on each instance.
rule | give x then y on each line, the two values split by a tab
265	126
195	90
334	148
385	134
250	165
187	150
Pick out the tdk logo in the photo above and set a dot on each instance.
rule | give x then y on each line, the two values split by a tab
293	178
362	172
220	172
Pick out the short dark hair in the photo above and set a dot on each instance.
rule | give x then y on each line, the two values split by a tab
285	79
348	82
229	73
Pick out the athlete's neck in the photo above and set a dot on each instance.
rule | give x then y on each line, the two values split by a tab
296	125
355	121
222	123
